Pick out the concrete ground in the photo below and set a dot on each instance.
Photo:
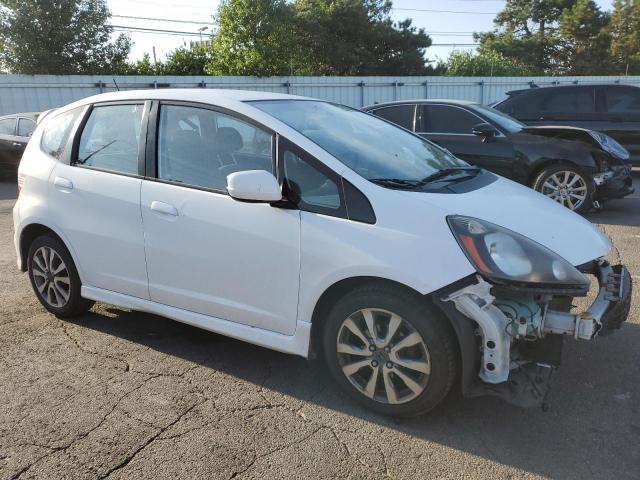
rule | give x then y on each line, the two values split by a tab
119	394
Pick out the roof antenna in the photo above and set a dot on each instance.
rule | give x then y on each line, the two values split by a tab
116	84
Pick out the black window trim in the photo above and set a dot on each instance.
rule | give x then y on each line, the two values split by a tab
65	156
152	135
81	123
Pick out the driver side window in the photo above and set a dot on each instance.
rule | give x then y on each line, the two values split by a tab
201	147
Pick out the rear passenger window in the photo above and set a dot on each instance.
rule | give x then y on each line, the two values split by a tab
26	127
110	139
569	100
200	147
56	132
622	100
402	115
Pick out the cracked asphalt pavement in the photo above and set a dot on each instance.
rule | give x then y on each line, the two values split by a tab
118	394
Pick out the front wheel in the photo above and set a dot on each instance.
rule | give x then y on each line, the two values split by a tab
567	185
390	350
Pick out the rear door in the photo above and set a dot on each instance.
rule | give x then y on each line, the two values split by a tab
402	115
450	126
621	111
98	190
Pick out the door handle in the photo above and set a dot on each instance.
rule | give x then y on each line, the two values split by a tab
64	183
16	144
164	208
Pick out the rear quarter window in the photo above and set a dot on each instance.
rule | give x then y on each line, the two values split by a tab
56	132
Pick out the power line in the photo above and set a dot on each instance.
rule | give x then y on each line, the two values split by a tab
443	11
132	17
158	30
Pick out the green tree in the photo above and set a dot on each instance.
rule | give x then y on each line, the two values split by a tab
468	64
144	66
356	37
59	37
255	37
624	29
527	31
188	61
584	40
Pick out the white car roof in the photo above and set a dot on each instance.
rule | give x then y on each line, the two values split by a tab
203	95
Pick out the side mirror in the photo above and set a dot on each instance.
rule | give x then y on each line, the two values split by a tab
254	186
484	130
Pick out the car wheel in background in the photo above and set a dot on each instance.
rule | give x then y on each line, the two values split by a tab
391	351
54	277
567	185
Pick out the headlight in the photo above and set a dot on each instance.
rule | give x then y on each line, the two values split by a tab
506	256
609	145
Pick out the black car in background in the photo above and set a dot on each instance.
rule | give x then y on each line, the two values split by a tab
613	109
15	131
576	167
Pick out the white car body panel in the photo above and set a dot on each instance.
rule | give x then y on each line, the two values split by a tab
529	213
238	261
252	271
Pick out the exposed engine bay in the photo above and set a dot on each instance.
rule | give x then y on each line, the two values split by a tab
520	333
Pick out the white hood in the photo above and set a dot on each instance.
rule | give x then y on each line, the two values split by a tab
528	213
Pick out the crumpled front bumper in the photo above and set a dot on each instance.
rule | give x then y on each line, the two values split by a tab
618	184
608	311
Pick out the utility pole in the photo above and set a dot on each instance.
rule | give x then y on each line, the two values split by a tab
155	60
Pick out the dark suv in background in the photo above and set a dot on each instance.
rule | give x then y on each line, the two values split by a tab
613	109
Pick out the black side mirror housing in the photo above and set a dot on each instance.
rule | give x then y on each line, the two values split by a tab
485	130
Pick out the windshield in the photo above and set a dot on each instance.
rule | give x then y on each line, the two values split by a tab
503	120
368	145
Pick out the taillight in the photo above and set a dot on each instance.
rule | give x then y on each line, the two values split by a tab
20	181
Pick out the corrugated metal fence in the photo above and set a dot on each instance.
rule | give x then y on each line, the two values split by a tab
24	93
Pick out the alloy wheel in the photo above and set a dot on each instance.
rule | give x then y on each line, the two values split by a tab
383	356
51	276
566	187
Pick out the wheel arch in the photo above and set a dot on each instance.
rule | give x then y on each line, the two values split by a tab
340	288
539	167
32	231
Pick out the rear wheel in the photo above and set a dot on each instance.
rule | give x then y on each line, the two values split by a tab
54	277
567	185
390	351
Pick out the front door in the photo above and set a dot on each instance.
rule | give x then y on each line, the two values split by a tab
206	252
451	127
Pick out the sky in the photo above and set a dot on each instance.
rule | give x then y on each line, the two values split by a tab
449	23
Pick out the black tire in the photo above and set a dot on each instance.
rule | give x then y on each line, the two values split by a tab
433	327
68	307
548	173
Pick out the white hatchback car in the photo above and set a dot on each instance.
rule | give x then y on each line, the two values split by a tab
309	227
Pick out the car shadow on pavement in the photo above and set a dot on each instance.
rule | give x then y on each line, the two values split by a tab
594	414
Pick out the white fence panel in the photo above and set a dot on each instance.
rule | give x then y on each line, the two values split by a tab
26	93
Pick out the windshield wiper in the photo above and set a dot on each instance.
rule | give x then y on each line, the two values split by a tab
396	182
448	172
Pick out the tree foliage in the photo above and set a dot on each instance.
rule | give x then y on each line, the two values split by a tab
255	37
624	30
315	37
468	64
567	37
59	37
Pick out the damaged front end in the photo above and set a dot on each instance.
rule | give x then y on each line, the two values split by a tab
511	336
